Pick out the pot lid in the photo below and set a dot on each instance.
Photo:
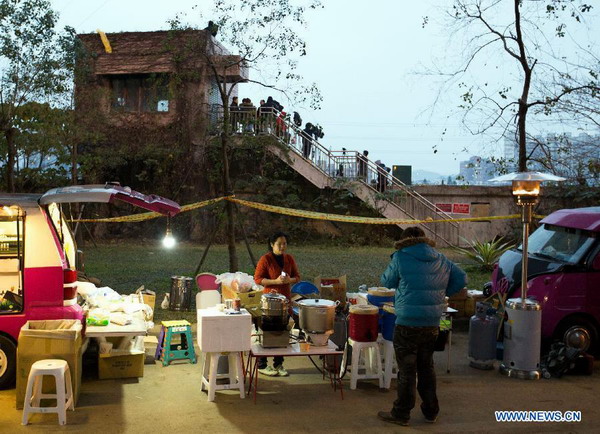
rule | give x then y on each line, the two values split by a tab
316	302
381	291
274	296
364	309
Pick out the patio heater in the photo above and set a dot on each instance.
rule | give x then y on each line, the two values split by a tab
522	329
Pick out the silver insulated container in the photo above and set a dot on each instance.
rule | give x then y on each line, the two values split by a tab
522	339
181	293
317	316
274	305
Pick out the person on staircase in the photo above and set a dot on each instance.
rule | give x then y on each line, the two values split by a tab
362	165
306	135
234	114
276	271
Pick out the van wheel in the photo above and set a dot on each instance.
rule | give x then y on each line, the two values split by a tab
8	362
581	334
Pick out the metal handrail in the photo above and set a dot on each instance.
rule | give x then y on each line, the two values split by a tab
334	164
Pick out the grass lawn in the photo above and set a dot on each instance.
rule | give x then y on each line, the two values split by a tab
125	265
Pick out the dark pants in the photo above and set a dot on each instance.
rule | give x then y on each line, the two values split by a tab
414	355
262	362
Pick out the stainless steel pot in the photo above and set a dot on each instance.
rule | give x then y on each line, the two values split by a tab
317	315
274	304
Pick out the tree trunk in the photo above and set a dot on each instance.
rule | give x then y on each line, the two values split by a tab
523	105
74	164
230	228
522	118
10	163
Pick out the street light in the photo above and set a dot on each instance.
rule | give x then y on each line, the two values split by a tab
522	330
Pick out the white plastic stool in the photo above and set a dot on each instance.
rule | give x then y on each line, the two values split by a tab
371	371
210	375
390	367
59	369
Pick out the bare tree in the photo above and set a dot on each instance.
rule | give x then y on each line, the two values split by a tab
265	37
525	35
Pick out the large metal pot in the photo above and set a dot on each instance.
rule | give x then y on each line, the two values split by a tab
317	315
274	304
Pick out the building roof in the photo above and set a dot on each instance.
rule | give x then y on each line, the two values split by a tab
140	52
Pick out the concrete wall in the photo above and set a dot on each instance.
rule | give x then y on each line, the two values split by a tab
483	202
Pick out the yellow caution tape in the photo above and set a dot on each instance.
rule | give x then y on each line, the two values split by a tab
298	213
355	219
150	215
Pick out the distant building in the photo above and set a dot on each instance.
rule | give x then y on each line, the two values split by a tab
477	171
562	154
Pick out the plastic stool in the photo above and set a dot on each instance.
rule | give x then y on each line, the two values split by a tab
390	367
166	351
59	369
359	352
210	363
207	298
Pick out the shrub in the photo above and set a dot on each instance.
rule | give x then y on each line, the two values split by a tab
485	254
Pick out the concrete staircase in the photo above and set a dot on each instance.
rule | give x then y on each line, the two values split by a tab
352	171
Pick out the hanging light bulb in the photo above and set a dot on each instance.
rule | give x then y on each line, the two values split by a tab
168	240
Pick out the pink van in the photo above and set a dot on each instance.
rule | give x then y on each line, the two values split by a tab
563	275
38	258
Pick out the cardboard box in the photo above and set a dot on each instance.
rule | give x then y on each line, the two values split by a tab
121	364
332	288
227	292
461	295
249	299
49	339
459	305
473	297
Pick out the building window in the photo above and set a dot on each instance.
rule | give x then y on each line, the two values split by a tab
140	92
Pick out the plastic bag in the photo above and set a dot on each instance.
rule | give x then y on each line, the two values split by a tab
238	282
98	317
245	282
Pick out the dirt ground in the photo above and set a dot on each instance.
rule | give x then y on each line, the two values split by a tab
168	399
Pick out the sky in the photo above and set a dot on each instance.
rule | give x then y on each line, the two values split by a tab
367	59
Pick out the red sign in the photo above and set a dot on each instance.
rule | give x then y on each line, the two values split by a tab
444	207
461	208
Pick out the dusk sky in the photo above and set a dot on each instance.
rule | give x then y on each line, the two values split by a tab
368	60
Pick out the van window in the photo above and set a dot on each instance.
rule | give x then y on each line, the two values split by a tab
11	259
559	243
63	232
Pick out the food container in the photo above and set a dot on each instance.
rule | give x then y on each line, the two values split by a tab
317	315
364	322
304	346
273	304
379	295
388	322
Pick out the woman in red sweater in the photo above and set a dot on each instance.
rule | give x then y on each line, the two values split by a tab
276	271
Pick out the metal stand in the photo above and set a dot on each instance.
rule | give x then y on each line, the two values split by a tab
522	331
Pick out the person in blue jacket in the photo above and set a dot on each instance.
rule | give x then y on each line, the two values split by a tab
422	277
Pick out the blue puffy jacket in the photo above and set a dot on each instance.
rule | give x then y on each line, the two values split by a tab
422	278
